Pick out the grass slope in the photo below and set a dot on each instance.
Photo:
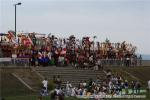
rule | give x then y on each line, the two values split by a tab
10	86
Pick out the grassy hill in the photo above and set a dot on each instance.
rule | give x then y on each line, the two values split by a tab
11	86
133	73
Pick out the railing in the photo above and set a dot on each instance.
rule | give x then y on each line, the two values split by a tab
5	61
21	62
105	62
121	62
15	62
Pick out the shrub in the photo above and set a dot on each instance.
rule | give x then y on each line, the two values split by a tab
51	85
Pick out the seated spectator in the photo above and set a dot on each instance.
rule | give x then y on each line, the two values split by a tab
43	92
53	95
74	91
96	67
108	73
84	84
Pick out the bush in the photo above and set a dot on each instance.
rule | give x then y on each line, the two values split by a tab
40	85
51	85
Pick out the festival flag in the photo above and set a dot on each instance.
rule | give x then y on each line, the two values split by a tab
27	41
30	40
11	36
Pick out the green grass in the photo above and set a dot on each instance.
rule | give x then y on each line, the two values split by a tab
141	73
10	86
35	98
68	98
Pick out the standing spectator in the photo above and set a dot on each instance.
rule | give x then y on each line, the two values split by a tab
140	60
99	63
126	86
137	87
58	81
45	83
133	86
127	61
68	88
149	86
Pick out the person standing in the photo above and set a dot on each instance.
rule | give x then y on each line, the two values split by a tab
140	60
68	88
149	86
126	87
133	86
45	83
137	87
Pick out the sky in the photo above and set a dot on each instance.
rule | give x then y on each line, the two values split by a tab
117	20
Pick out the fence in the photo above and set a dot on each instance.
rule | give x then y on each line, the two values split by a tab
15	62
105	62
121	62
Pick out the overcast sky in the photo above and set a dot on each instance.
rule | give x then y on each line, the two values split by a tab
117	20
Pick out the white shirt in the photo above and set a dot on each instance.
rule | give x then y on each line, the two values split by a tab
49	55
68	86
149	84
45	82
84	84
73	92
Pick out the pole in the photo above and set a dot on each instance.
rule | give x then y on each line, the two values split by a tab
15	20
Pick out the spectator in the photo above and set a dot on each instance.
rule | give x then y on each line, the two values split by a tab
58	81
149	86
126	87
68	88
45	83
84	84
140	60
137	87
133	86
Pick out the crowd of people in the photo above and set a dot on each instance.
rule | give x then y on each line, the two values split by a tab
113	84
83	52
52	50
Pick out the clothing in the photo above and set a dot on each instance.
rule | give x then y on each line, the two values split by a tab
45	83
149	84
